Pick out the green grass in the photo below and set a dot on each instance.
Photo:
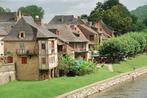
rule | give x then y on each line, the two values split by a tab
58	86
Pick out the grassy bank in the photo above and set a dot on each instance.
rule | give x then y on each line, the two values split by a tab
58	86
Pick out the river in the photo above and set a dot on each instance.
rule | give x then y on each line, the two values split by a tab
129	89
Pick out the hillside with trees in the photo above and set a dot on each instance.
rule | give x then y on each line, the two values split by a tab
140	12
116	16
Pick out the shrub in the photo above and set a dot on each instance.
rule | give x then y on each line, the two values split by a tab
71	67
124	46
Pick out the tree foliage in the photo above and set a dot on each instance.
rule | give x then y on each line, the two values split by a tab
32	10
124	46
117	16
2	10
140	12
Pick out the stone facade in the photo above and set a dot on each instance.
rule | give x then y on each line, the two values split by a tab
27	71
7	73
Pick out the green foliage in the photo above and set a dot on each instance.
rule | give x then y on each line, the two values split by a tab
124	46
72	67
118	18
2	10
140	12
84	16
32	10
145	22
110	3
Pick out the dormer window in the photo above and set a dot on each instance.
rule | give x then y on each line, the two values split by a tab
22	35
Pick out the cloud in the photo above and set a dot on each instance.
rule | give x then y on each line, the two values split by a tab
56	7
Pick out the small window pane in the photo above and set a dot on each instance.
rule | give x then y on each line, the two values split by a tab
43	60
43	46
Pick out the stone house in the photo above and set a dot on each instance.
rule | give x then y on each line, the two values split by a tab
33	50
73	41
3	33
103	30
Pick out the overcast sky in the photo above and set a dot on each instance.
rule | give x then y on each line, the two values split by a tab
57	7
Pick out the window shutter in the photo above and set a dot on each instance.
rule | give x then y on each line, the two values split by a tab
24	60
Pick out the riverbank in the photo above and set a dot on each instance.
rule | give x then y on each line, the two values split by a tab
59	86
104	85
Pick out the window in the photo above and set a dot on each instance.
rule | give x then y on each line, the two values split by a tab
43	60
91	37
22	35
2	44
52	44
23	60
52	59
43	46
22	45
10	59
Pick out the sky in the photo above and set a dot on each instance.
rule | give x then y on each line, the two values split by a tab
66	7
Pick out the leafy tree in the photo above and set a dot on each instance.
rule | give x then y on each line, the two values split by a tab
2	10
118	18
7	10
84	16
97	13
32	10
145	22
110	3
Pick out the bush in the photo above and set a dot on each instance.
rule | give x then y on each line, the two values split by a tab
124	46
71	67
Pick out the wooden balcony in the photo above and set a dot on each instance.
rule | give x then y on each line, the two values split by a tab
26	52
80	50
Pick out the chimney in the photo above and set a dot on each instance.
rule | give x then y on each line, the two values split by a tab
38	20
19	15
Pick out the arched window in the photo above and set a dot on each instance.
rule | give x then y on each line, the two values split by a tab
22	35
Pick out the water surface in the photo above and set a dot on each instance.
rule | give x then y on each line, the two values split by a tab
130	89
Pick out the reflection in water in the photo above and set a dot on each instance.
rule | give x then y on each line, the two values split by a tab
131	89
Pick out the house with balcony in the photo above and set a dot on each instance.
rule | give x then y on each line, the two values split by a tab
74	43
33	50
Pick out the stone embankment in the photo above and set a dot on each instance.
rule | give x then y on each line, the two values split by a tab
7	73
103	85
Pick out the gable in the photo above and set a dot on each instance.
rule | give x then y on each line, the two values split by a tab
21	26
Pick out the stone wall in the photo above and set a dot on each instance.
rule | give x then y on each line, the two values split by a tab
103	85
7	73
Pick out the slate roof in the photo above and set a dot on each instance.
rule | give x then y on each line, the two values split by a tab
8	17
31	29
67	34
87	29
63	19
106	28
3	32
7	26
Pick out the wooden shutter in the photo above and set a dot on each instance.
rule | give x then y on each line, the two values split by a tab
24	60
10	59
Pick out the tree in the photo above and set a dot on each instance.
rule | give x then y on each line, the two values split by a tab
32	10
145	22
110	3
118	18
2	10
84	16
97	13
7	10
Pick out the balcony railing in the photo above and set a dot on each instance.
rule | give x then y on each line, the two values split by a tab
26	52
80	50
